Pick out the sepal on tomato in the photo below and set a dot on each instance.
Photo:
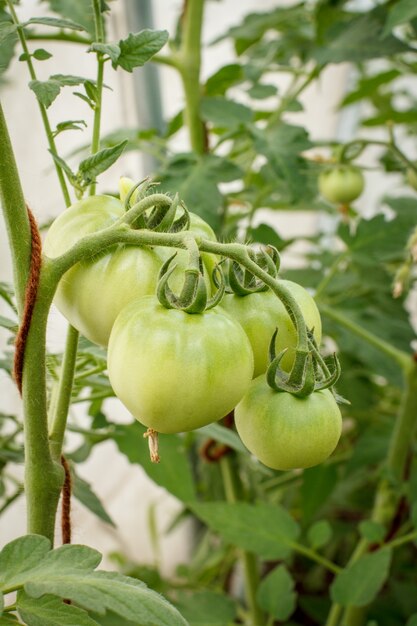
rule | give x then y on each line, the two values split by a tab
194	295
242	282
309	372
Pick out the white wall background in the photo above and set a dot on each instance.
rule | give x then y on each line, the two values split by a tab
124	489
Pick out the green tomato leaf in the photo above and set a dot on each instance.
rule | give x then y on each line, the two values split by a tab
360	583
78	11
83	492
367	86
20	556
359	39
138	48
51	611
11	325
206	608
55	22
174	474
372	531
318	483
225	113
226	77
400	13
276	529
260	91
99	591
99	162
111	49
8	620
276	594
69	125
319	534
46	91
8	40
7	28
41	55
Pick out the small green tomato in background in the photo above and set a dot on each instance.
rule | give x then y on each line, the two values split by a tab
286	432
176	371
341	184
261	313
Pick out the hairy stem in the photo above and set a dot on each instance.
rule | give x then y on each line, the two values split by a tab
249	561
43	477
15	214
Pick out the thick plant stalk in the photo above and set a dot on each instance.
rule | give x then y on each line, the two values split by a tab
15	214
189	66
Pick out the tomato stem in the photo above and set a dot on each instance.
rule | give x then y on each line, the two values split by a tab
15	214
189	66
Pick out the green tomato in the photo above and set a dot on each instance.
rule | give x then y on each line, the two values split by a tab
176	371
341	184
261	313
94	291
286	432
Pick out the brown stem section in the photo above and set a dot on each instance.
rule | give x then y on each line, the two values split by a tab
211	451
66	502
30	298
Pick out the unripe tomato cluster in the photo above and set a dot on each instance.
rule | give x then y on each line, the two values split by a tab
177	371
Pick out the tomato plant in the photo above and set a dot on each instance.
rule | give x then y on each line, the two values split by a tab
261	313
203	360
242	147
286	432
341	184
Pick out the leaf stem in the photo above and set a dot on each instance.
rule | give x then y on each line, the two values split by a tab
315	556
44	115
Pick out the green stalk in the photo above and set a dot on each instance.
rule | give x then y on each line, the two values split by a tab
189	65
249	561
56	435
400	357
15	214
44	115
43	477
